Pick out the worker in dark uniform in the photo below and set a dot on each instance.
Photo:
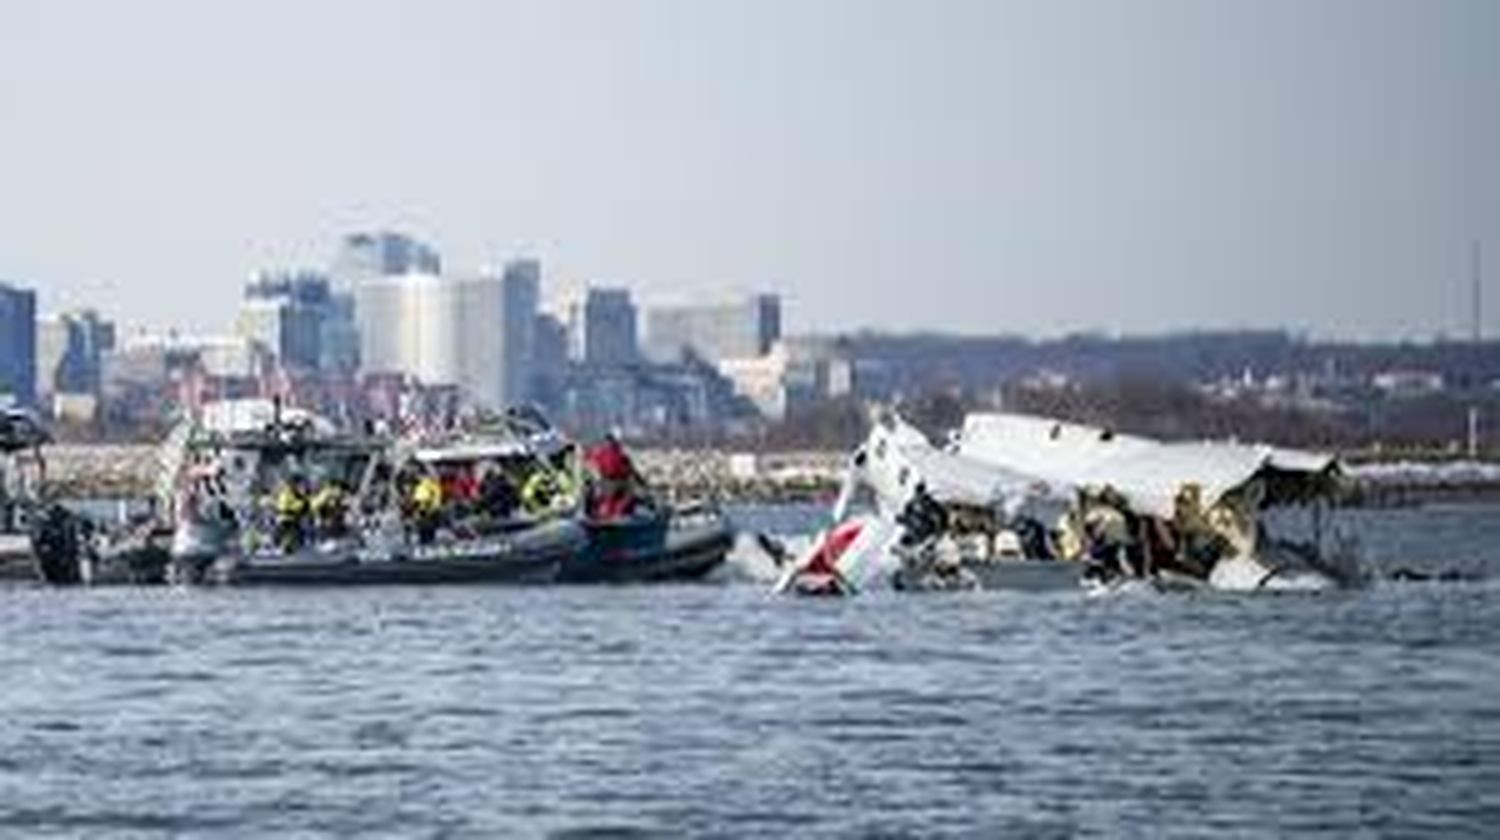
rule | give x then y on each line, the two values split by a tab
923	518
497	496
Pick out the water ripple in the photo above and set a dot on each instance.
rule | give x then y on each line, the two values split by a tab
719	711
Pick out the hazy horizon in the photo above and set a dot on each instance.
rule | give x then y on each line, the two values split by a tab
976	167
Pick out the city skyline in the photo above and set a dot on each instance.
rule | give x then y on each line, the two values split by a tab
562	294
970	167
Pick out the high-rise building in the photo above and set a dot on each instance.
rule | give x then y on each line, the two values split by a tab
340	336
380	306
409	325
743	329
549	358
288	313
604	328
478	339
54	338
476	332
70	352
353	328
443	331
383	254
522	288
17	345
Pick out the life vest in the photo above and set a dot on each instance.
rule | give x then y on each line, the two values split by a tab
546	489
328	501
427	496
290	503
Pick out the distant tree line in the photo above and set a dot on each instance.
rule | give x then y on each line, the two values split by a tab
888	365
1427	425
1434	425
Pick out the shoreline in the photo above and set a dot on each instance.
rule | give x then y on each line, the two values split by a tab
124	471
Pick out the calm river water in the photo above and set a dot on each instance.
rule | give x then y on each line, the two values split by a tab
718	710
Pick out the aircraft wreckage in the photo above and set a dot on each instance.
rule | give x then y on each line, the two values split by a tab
1015	501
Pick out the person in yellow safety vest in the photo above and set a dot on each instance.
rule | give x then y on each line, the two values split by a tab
291	514
427	506
329	508
546	490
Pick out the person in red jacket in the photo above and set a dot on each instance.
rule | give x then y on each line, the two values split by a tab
460	488
615	479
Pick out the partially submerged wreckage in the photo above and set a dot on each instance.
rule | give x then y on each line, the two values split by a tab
1017	501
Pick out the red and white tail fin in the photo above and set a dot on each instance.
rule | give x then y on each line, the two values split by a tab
818	573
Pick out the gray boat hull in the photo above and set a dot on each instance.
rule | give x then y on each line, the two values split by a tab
530	556
653	547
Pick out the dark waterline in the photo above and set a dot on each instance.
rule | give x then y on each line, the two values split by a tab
720	710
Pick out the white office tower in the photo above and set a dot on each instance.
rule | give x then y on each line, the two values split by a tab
446	331
409	324
380	315
433	323
478	344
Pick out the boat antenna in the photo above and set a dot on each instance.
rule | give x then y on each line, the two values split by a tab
1473	433
1476	268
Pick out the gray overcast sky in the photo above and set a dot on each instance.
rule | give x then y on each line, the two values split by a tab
984	166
